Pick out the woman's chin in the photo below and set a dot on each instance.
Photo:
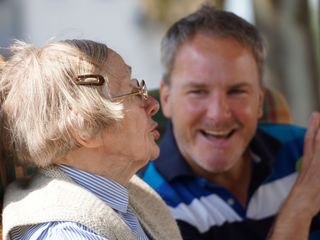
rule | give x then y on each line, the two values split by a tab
156	153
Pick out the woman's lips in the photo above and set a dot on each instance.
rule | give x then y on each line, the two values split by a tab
155	132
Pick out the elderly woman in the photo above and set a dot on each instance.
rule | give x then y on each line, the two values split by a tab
72	109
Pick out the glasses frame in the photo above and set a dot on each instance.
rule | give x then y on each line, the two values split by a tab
142	91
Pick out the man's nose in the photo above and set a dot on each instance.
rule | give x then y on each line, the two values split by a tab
218	108
152	106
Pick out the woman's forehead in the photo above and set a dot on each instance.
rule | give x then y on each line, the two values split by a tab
115	65
118	73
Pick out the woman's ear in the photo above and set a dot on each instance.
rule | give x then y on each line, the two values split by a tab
89	142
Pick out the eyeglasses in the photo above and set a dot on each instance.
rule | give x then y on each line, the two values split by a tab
141	90
98	80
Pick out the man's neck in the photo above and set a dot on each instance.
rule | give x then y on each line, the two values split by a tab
236	179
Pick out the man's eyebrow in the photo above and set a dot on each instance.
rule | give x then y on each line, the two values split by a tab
204	85
195	84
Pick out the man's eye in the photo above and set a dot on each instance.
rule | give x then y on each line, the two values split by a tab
237	91
198	92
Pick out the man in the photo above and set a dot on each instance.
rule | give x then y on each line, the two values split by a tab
222	175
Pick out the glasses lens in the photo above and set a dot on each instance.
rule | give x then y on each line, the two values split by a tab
144	89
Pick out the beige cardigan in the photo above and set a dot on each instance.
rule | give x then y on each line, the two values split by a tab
52	196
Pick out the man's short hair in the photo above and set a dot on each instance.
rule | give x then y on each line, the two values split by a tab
217	23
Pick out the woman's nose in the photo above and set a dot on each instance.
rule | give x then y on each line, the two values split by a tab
152	106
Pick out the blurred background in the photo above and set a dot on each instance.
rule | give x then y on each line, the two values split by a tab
134	29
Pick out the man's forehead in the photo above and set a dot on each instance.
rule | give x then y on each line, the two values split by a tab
209	84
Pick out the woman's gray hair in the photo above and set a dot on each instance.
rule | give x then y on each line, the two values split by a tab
217	23
43	109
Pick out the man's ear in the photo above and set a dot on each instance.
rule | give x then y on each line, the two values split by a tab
165	99
261	102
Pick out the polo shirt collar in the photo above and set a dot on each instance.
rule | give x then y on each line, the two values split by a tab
171	156
171	163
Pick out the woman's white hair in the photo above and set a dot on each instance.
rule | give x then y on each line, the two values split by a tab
43	109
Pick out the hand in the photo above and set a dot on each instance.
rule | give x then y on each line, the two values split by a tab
303	203
307	186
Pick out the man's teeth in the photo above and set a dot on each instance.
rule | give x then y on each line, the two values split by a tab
217	133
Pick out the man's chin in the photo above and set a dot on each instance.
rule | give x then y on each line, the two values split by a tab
220	166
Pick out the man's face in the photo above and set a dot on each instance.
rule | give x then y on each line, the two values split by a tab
214	101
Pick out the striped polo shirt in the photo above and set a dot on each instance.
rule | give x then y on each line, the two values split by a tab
113	194
205	210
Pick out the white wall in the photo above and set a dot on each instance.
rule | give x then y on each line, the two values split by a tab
113	22
116	23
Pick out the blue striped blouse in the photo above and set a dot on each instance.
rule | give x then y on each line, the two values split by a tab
113	194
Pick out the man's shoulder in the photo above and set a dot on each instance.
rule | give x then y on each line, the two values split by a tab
283	132
157	181
152	176
283	143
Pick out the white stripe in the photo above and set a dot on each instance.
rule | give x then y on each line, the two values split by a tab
268	199
205	212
